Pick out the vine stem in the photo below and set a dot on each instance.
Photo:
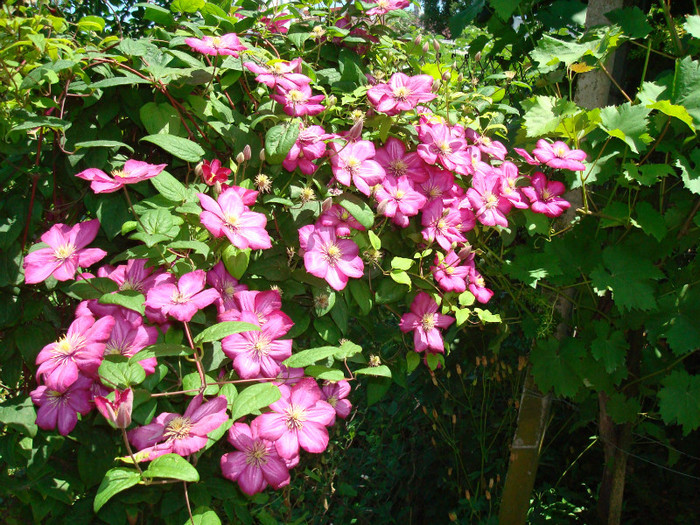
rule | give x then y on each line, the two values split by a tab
131	452
197	360
187	502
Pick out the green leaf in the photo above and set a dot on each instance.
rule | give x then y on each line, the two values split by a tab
309	357
692	25
236	260
116	480
504	8
389	291
196	246
160	118
119	81
172	466
93	288
555	368
622	409
632	20
400	263
650	220
401	278
325	327
672	110
486	316
324	373
102	144
42	122
359	289
358	208
412	361
120	373
203	516
253	398
679	400
462	315
610	349
193	381
690	174
627	123
628	276
130	299
161	350
178	147
91	23
375	241
220	330
544	114
169	187
346	350
279	140
381	371
186	6
19	412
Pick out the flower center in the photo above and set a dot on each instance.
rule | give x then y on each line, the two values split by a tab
278	69
449	270
332	254
120	174
257	455
491	199
444	148
399	194
352	164
546	195
229	290
428	322
178	428
332	401
295	417
261	347
344	216
64	251
402	92
398	167
441	224
560	152
231	221
215	41
295	97
67	345
179	298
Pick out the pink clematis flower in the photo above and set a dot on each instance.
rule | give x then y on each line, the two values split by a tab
332	259
184	299
132	172
263	305
490	147
545	195
298	101
65	254
228	44
255	464
134	275
509	180
117	412
354	162
395	161
231	217
401	93
449	274
298	419
224	283
258	353
384	6
442	145
341	220
559	156
489	205
399	200
129	336
477	286
180	434
442	225
60	407
279	73
80	350
213	172
425	322
335	394
309	146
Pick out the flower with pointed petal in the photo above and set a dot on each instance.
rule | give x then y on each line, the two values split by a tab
117	412
228	44
545	197
425	322
184	299
332	259
60	407
66	252
132	172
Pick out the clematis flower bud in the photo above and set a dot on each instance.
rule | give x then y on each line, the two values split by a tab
417	40
261	155
118	412
436	45
425	48
247	154
240	158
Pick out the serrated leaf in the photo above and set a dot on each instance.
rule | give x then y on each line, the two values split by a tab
178	147
608	348
692	25
650	220
172	466
679	400
544	114
220	330
380	371
690	174
622	409
115	481
627	123
358	208
555	368
251	399
632	20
